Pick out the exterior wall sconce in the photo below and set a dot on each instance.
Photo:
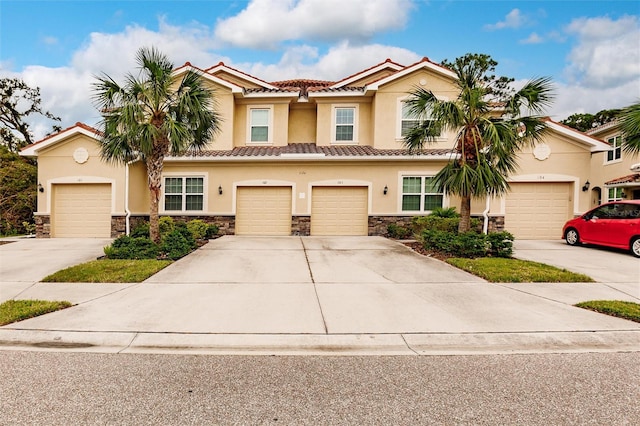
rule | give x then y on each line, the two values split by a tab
586	186
220	189
40	187
385	190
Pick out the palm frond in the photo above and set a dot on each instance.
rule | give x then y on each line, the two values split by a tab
630	125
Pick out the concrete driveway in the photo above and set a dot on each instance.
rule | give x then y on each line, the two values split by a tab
318	292
602	264
26	261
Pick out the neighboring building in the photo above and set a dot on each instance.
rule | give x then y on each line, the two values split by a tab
615	173
307	157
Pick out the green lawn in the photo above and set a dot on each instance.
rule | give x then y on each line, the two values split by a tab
616	308
18	310
109	271
508	270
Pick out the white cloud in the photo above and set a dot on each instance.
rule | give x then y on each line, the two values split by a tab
514	19
533	38
575	98
266	23
50	40
340	61
607	54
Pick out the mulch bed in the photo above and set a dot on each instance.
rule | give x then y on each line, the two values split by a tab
6	242
419	248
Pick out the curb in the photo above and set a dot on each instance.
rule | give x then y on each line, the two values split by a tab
316	344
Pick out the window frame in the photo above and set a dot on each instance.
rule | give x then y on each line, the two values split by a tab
184	194
615	150
422	194
250	125
617	193
334	124
400	119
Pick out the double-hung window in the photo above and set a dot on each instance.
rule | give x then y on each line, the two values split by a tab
259	120
183	193
615	153
408	121
344	124
419	194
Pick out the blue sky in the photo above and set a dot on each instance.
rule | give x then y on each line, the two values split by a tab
591	49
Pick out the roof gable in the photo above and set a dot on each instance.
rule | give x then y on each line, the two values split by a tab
593	144
425	63
78	129
221	68
388	65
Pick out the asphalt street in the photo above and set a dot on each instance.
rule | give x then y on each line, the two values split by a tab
126	389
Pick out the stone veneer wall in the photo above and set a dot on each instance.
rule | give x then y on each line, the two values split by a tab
43	226
300	225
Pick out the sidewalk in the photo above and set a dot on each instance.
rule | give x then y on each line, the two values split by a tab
339	296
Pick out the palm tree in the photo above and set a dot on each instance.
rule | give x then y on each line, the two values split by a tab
153	115
630	124
491	129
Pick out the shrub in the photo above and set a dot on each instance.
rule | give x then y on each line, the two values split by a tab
125	247
212	230
444	212
177	243
397	231
198	228
166	225
468	244
441	223
140	231
500	244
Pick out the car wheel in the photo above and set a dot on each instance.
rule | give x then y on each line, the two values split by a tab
635	247
572	237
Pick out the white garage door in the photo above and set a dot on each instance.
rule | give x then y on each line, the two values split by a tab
263	211
537	211
81	210
339	211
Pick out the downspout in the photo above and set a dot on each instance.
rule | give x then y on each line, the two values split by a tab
485	214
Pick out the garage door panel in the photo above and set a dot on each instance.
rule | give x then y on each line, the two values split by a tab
263	211
81	211
538	210
339	211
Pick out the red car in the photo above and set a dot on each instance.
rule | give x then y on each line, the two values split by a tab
615	224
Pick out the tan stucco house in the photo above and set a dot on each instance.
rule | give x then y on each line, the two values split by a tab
309	157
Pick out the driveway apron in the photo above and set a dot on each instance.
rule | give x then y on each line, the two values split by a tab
317	286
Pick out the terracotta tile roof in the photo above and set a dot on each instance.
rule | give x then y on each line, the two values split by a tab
336	89
222	64
303	85
312	148
276	90
634	178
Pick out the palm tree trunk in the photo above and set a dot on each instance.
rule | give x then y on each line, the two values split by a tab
154	171
465	214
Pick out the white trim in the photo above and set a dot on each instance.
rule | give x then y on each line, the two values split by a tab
399	193
594	144
269	140
612	148
65	134
337	94
79	180
420	65
271	95
262	183
205	192
238	74
341	183
356	112
383	66
205	74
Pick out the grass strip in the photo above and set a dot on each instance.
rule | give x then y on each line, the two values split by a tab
109	271
615	308
509	270
18	310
